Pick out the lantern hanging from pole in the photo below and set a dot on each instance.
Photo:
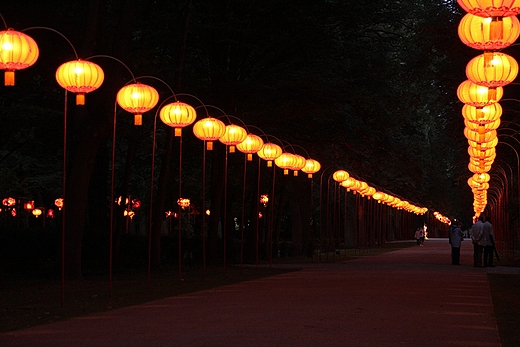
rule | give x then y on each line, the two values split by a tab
491	8
475	136
340	175
285	161
484	145
479	96
209	130
492	69
233	135
269	152
482	115
311	167
252	144
178	115
137	98
488	34
80	77
482	128
349	183
299	163
18	51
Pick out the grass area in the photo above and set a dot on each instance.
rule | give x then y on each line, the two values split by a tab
505	291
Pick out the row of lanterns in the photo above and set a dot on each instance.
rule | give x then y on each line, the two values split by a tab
441	218
489	26
10	205
19	51
361	187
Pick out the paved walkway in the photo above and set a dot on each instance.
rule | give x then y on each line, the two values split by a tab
411	297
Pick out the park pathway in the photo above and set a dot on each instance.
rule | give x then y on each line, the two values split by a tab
411	297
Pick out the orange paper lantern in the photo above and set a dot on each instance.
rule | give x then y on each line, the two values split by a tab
340	175
482	115
488	34
491	8
233	135
492	69
17	51
479	96
311	167
285	161
209	130
250	145
178	115
269	152
80	77
137	98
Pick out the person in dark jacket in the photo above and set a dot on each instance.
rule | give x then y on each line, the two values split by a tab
456	237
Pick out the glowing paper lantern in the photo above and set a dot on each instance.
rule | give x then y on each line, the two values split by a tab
270	152
482	115
491	8
137	98
311	167
299	163
340	175
252	144
285	161
479	96
492	69
178	115
488	34
18	51
233	135
209	130
80	77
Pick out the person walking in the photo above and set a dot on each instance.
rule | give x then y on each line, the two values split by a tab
488	241
418	233
476	237
456	237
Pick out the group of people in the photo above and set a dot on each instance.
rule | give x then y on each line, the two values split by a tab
420	235
482	238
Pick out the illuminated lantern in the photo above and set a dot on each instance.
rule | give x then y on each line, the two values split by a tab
264	199
183	202
490	33
484	145
37	212
233	135
482	115
311	166
270	152
209	129
80	77
378	196
29	205
9	202
481	154
479	96
50	213
349	183
481	178
477	137
491	8
252	144
18	51
482	128
340	175
285	161
59	203
137	98
492	69
178	115
299	163
479	168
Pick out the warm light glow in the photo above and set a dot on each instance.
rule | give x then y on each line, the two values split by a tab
270	152
233	135
488	34
59	203
492	69
491	8
137	98
178	115
80	77
264	199
183	202
311	166
37	212
340	175
209	129
19	51
252	144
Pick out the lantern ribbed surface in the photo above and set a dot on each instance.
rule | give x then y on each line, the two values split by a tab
489	34
137	98
209	129
475	136
270	151
80	76
299	162
17	50
482	128
311	166
491	8
285	161
476	95
482	115
340	175
484	145
492	69
233	135
251	144
178	114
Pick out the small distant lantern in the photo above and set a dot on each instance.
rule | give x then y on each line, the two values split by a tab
137	98
183	203
208	212
252	144
136	204
129	213
37	212
9	202
80	77
29	205
209	130
50	213
59	203
311	166
233	135
264	199
269	152
18	51
178	115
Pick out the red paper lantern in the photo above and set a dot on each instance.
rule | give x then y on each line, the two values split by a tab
137	98
311	166
178	115
233	135
209	129
269	152
488	34
491	8
492	69
252	144
479	96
